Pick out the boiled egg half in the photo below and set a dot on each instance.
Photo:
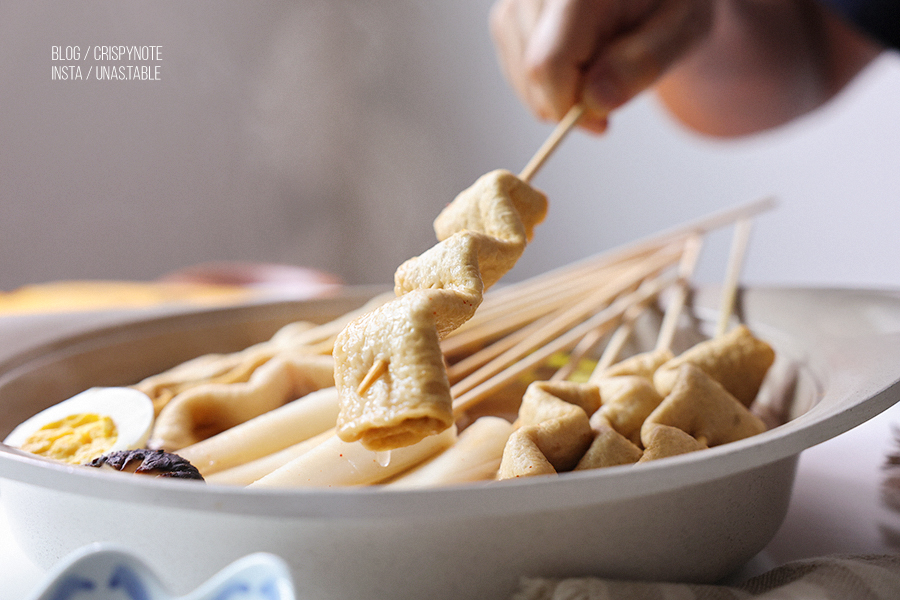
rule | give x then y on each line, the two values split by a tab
87	425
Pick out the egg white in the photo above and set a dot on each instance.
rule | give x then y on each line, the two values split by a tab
130	410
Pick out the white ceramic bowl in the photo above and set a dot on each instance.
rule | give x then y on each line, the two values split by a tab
695	517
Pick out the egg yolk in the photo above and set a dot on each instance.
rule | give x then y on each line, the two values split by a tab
76	439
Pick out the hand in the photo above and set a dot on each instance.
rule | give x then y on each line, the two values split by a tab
722	67
556	53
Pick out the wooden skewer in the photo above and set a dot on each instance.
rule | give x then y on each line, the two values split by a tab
702	225
498	324
556	137
612	349
586	267
735	263
559	291
514	313
523	294
378	368
558	302
670	318
556	284
693	245
606	317
620	336
614	344
327	332
617	340
673	311
578	313
478	359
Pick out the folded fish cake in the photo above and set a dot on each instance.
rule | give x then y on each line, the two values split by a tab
554	431
663	441
737	360
544	399
701	407
503	208
609	449
448	273
411	400
643	364
210	408
235	367
627	401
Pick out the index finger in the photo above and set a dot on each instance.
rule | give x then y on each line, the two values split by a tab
567	39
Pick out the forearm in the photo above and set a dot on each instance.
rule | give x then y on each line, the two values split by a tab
764	63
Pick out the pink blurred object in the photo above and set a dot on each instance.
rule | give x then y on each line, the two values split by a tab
297	282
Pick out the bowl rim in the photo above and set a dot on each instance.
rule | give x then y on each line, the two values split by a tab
859	380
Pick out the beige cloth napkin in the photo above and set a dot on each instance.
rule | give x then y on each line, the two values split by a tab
875	577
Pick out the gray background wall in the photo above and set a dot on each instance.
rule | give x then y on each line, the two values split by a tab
329	133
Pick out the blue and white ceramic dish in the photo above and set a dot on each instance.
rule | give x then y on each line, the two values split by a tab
109	572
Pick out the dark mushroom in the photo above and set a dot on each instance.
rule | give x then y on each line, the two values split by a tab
155	463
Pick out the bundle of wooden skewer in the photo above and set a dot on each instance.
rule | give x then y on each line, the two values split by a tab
576	308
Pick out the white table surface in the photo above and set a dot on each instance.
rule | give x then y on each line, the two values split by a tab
836	508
